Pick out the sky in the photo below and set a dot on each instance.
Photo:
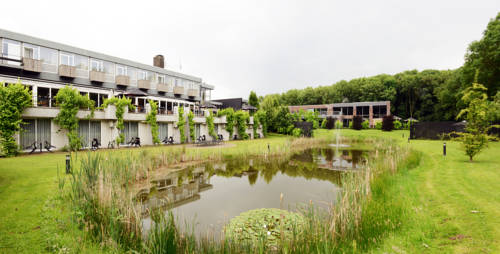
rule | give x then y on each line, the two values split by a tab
267	46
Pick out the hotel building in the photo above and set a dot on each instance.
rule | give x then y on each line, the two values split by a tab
45	67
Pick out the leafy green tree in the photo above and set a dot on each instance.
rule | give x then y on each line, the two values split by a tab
241	119
14	99
211	126
120	104
70	101
484	56
253	99
475	137
262	120
192	134
229	113
151	120
181	122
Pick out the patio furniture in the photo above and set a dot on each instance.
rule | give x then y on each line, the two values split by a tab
47	146
95	144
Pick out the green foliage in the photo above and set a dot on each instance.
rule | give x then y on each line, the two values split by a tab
365	124
297	132
357	123
14	99
180	124
192	133
241	119
397	125
256	123
253	99
151	120
210	124
229	113
350	125
312	117
338	124
261	115
323	123
120	104
484	55
477	116
70	101
378	125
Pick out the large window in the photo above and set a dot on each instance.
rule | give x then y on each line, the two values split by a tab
363	111
88	131
12	50
347	111
31	51
96	65
130	131
162	131
132	74
379	111
35	130
161	79
109	71
121	70
142	75
67	59
49	59
82	66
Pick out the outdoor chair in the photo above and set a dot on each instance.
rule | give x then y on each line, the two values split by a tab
33	147
111	144
48	146
95	144
137	142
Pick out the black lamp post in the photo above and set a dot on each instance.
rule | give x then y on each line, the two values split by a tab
68	164
444	149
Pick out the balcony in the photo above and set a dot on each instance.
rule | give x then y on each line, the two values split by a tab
33	65
97	76
193	92
67	71
178	90
162	87
122	80
144	84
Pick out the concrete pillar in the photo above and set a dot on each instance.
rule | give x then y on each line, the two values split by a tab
388	108
354	110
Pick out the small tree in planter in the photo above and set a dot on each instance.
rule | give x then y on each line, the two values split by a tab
388	123
397	125
365	124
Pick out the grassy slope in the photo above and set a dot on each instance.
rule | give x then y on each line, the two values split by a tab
442	192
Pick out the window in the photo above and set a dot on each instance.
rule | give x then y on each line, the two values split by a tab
130	131
67	59
35	130
141	75
88	130
12	50
121	70
82	66
163	131
161	79
31	51
96	65
49	59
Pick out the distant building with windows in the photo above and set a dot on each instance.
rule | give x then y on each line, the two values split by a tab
371	111
46	66
235	103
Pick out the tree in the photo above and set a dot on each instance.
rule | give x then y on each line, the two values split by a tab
484	56
70	101
475	137
14	99
151	120
253	99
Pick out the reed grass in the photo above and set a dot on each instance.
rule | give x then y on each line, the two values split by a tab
103	197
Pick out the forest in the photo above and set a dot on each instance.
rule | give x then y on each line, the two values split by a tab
427	95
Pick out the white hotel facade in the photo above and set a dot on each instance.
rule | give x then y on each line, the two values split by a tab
45	67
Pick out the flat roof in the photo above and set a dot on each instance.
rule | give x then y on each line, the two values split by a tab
63	47
347	104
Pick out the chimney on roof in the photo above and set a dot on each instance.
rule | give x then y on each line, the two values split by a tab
159	61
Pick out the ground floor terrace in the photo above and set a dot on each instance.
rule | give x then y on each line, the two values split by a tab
344	112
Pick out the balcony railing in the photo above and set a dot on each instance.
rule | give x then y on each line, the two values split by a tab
193	92
164	111
163	87
178	90
97	76
144	84
33	65
122	80
67	71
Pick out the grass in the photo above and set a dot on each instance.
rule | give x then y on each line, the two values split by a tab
447	204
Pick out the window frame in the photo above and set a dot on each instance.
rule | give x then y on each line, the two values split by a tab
70	57
32	47
100	65
122	67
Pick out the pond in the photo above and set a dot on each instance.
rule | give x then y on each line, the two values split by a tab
208	195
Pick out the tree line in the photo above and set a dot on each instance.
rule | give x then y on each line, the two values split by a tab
428	95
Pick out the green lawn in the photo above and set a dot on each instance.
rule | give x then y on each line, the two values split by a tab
453	205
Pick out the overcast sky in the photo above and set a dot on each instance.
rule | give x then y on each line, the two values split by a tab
266	46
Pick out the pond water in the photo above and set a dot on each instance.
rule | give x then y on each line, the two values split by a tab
209	195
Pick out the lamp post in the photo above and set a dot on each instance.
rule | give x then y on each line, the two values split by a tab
68	164
444	149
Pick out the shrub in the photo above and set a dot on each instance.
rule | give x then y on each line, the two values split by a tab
229	113
350	125
297	132
356	122
365	124
330	123
397	125
241	119
338	124
323	123
192	133
378	125
14	98
180	124
388	123
151	120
